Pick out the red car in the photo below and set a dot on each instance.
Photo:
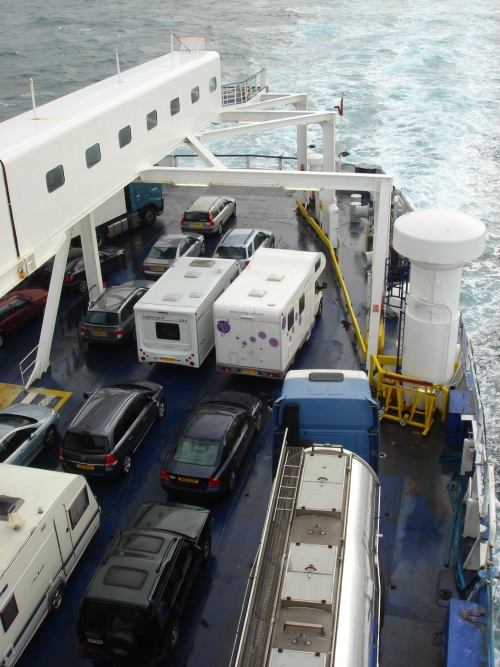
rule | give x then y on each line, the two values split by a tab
20	307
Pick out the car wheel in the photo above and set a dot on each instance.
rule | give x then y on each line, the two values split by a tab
258	423
100	235
127	464
219	229
82	286
50	437
320	309
161	410
206	550
234	210
175	631
272	243
122	261
134	335
42	309
202	249
149	216
1	339
56	598
232	481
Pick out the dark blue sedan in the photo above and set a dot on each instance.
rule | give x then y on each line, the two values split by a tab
210	447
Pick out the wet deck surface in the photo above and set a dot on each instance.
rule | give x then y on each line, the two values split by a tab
415	506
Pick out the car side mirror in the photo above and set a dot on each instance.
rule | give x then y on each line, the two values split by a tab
86	395
32	435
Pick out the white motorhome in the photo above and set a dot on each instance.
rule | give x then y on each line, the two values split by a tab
174	320
47	519
269	312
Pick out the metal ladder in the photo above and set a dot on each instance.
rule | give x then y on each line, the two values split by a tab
285	502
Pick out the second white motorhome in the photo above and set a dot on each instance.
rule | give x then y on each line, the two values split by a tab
269	312
47	519
174	319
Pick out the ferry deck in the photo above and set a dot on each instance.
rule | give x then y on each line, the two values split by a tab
416	510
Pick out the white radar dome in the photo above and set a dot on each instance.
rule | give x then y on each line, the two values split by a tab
439	236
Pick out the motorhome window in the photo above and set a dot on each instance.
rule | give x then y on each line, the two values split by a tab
318	264
195	94
168	331
9	613
175	106
291	316
55	178
302	304
196	216
93	155
124	136
105	618
83	443
105	319
162	252
231	252
125	577
197	451
77	509
212	84
151	120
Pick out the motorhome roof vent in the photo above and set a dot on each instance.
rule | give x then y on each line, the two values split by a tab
9	504
326	377
196	295
276	277
257	292
172	297
192	274
207	263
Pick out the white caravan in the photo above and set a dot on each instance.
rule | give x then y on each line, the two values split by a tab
174	320
267	314
47	519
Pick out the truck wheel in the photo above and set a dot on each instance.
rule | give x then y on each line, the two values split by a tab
149	216
56	598
320	309
100	235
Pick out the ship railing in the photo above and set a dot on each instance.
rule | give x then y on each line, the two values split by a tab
243	91
283	160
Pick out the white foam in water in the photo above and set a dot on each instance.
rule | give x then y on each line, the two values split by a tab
421	96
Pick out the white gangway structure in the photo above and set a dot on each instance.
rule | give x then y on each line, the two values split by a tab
64	159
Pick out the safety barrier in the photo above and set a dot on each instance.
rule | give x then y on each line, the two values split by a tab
243	91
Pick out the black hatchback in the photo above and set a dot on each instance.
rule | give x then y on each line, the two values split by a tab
210	447
102	438
75	277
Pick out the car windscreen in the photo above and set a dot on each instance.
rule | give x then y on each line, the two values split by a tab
85	443
105	618
197	451
97	317
196	216
159	252
231	252
16	421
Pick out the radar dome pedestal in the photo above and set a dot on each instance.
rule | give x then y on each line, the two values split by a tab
438	242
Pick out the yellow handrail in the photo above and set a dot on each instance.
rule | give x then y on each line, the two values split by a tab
326	241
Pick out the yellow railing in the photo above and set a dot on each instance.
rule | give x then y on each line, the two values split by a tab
338	272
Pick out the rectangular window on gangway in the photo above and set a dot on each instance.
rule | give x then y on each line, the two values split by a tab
195	94
302	304
93	155
124	136
212	84
55	178
175	106
152	120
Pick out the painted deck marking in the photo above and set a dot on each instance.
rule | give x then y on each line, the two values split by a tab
15	393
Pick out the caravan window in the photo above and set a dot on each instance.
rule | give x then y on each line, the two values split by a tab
291	315
168	331
77	509
9	613
55	178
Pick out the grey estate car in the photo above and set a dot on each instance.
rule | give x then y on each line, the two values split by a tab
102	438
241	244
111	318
208	214
170	247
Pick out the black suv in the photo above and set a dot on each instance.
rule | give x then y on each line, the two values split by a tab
130	611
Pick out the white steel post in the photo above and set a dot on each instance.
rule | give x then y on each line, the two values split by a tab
301	139
380	254
91	257
42	361
327	197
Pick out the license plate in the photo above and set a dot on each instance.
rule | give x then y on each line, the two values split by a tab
84	466
249	371
197	224
168	359
97	332
95	641
191	480
158	268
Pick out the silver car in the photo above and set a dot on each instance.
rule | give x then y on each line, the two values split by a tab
170	247
25	430
208	214
111	318
241	244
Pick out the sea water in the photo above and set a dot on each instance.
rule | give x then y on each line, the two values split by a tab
421	82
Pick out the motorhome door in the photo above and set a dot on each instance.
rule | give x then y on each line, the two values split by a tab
63	533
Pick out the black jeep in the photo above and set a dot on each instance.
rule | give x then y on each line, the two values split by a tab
130	611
